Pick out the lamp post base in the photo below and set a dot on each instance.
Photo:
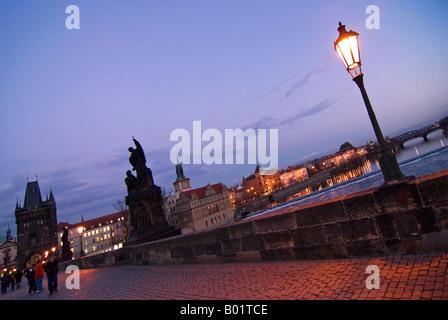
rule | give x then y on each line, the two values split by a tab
389	166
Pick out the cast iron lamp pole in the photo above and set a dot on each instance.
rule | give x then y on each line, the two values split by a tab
80	230
347	46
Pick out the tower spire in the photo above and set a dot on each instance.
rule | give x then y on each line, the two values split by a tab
8	233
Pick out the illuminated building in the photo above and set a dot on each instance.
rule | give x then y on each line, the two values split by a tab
204	208
98	235
197	209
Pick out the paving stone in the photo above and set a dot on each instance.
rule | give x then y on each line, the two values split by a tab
401	277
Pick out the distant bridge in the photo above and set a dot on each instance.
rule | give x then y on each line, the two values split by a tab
422	133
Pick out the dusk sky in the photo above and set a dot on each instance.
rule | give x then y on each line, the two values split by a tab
71	100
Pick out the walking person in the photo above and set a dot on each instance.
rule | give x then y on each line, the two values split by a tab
52	269
18	276
12	280
5	282
39	275
29	274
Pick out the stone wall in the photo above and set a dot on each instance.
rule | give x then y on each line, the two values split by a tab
406	217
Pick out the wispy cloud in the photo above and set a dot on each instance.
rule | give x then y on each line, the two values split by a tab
306	79
271	122
287	87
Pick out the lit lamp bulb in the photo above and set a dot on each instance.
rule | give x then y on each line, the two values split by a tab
347	46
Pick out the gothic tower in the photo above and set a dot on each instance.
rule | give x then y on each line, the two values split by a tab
36	225
182	183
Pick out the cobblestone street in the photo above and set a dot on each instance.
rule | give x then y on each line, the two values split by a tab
401	277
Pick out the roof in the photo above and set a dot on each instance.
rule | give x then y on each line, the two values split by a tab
33	197
180	174
93	223
200	192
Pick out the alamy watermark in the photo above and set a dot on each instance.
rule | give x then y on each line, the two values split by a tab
373	280
73	20
373	20
72	281
228	147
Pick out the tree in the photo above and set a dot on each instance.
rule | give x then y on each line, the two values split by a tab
120	206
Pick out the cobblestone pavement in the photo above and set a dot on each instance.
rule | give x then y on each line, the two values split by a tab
422	276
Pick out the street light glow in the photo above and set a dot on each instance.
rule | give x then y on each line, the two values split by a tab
347	46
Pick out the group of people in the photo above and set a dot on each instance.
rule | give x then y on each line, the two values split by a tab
35	275
12	279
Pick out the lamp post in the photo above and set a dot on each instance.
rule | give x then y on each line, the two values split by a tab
80	230
347	46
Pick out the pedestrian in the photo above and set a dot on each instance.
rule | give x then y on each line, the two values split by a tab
52	269
29	274
12	280
39	275
4	281
18	276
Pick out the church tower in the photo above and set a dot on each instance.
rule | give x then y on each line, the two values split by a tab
36	225
182	183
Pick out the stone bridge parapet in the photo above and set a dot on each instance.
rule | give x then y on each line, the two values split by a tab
409	216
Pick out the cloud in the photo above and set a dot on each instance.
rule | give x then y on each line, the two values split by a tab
316	109
288	87
306	79
270	122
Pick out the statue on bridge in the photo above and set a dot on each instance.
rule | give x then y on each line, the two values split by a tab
144	200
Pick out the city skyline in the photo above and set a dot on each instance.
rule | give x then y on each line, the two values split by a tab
71	100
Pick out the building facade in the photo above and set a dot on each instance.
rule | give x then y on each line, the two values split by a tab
8	252
197	209
36	225
204	207
292	175
96	235
260	184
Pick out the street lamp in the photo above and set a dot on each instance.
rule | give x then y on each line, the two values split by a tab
347	46
80	230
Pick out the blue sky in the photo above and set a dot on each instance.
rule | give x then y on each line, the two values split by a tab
70	100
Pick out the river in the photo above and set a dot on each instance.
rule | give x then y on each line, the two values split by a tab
418	158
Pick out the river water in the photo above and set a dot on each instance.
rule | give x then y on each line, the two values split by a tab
417	158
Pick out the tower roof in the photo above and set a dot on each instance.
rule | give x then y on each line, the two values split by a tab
51	199
180	174
33	197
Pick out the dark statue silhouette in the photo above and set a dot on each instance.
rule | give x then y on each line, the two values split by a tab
144	200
